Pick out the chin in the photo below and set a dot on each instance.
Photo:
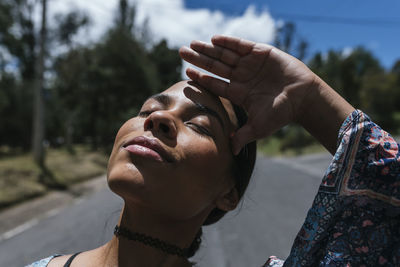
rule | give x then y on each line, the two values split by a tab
125	179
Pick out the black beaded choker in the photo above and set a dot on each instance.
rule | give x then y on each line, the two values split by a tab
151	241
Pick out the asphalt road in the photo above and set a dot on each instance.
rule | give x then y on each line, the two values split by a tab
272	212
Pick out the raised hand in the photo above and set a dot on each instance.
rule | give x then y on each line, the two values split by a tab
271	85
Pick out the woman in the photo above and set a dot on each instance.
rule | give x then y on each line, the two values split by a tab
354	220
173	166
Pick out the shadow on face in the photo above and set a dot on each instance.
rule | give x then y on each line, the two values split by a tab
174	158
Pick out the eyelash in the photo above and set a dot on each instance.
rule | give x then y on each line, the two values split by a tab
144	114
199	129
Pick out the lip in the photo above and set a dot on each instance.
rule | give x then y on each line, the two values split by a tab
148	147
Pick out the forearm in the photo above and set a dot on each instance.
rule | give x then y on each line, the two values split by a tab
323	113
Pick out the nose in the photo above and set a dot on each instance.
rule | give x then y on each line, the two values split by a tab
161	122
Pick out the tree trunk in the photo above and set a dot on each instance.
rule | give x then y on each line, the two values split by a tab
38	105
69	133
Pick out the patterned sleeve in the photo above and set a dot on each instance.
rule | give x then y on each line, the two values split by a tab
355	216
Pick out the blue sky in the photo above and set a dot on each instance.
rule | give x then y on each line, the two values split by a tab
180	21
378	36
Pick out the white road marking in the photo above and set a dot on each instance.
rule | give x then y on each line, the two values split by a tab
52	213
29	224
19	229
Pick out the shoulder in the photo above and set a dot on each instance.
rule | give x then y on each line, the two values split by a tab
373	169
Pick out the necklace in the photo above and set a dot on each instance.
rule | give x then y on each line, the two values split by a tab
151	241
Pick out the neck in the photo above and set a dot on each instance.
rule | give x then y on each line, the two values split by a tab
122	252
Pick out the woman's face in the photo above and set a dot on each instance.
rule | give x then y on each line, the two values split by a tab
174	158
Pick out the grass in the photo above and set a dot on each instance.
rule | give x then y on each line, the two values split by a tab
271	147
21	179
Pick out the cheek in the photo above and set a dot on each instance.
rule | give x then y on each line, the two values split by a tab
117	168
128	127
205	162
204	151
199	150
201	177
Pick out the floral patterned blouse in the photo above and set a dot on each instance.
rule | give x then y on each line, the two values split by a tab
354	219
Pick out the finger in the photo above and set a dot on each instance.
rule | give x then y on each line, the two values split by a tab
214	85
217	52
205	62
238	45
242	137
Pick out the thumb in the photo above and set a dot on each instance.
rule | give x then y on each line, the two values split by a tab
242	137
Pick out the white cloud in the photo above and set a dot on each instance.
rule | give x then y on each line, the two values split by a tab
347	51
172	21
101	14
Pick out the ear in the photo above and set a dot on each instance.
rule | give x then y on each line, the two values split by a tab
229	200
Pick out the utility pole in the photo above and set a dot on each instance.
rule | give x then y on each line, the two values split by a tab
38	105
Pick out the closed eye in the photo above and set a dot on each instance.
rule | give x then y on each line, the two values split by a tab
144	114
200	129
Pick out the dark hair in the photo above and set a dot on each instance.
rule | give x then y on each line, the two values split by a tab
242	169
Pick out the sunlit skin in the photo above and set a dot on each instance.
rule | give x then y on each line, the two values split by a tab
192	187
273	87
169	195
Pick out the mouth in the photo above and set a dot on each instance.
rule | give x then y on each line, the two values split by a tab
148	148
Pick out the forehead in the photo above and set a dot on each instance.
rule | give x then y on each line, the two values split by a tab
188	92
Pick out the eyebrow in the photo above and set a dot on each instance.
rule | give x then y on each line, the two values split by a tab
166	100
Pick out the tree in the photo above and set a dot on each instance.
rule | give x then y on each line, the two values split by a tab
287	39
359	64
167	62
17	57
93	88
360	78
38	104
105	84
68	26
284	37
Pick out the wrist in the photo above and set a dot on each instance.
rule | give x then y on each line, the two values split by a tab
312	96
324	111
